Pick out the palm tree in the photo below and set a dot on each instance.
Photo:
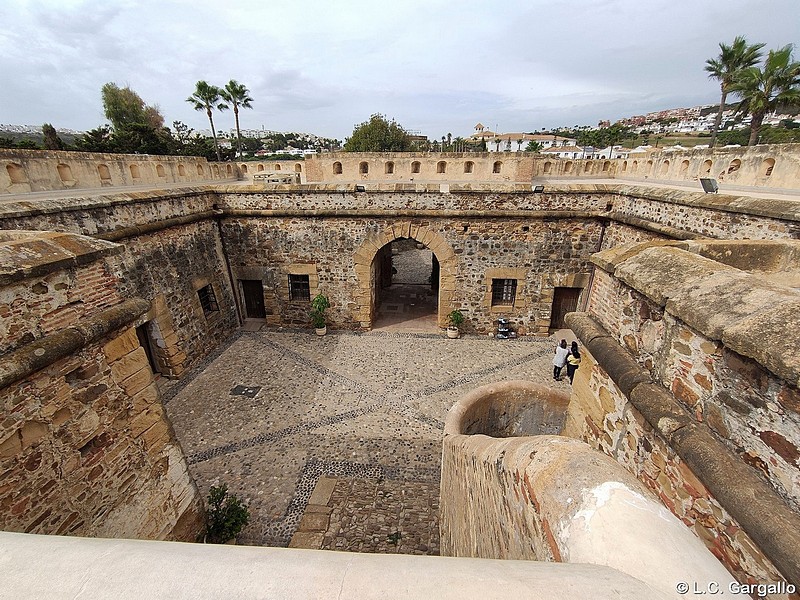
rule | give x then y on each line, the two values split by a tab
731	60
237	94
764	89
207	97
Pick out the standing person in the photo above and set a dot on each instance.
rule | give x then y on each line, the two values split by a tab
573	360
560	359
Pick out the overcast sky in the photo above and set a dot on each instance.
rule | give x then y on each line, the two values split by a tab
323	66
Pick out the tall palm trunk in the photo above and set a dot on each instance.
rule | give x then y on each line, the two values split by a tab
214	134
718	119
755	128
238	133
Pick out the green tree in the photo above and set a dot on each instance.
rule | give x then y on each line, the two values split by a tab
51	139
99	139
199	145
763	89
533	147
378	135
182	133
208	97
251	144
123	107
726	67
143	139
236	94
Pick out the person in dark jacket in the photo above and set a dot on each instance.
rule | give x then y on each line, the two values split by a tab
573	360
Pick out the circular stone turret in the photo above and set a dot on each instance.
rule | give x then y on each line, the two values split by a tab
509	409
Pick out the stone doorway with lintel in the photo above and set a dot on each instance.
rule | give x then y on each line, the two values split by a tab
373	267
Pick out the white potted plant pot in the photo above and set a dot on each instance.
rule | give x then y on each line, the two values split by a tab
455	318
321	330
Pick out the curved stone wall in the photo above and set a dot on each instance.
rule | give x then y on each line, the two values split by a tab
509	409
554	498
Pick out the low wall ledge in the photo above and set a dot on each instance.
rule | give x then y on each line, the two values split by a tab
25	254
753	315
37	567
37	355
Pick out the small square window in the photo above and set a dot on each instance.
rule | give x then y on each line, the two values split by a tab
208	300
299	288
504	291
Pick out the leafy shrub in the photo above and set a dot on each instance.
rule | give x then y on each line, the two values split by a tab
226	516
456	318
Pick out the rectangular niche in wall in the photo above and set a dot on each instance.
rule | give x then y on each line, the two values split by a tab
565	300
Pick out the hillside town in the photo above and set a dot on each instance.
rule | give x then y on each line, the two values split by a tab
693	121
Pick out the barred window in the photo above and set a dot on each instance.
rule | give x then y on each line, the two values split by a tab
208	300
299	288
504	291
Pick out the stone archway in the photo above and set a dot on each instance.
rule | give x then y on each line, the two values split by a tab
364	259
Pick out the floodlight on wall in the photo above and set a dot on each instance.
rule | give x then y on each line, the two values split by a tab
538	189
361	188
709	185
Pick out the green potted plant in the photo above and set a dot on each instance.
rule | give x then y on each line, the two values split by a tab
226	516
455	318
319	305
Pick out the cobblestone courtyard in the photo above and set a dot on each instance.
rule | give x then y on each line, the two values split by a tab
337	440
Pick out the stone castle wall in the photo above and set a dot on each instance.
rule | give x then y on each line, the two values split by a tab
773	166
690	381
171	249
85	445
24	171
177	242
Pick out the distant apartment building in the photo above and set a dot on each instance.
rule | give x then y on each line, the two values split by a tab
517	142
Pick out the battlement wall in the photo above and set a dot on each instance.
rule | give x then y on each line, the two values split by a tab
769	166
23	171
689	379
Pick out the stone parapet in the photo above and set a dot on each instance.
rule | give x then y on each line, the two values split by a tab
755	505
35	567
555	499
23	171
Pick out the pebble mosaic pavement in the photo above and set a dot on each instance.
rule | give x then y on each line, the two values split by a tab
365	409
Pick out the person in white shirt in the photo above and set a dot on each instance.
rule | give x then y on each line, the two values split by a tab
560	359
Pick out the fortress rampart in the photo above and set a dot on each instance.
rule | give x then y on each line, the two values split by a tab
771	166
690	316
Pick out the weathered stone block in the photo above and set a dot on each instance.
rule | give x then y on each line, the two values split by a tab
122	345
129	364
137	382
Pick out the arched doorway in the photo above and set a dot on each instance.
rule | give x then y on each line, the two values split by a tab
417	290
406	287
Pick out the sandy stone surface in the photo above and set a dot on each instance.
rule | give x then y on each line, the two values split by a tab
274	411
